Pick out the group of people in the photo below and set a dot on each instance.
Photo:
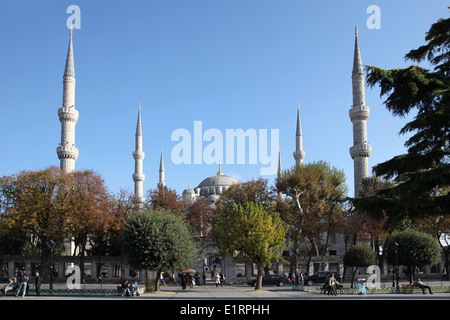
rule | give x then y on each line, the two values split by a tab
219	279
192	279
298	278
186	279
20	283
130	289
331	285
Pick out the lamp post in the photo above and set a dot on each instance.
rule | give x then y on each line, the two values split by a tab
396	266
52	246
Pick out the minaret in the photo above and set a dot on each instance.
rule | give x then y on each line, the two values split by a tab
68	116
162	180
299	154
359	113
139	155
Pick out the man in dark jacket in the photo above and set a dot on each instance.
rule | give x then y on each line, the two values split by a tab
37	284
23	281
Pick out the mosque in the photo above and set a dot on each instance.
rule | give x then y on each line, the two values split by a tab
212	187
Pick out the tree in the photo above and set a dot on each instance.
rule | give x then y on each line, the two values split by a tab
164	198
250	191
422	175
412	248
199	217
315	197
88	208
108	241
33	203
158	240
359	256
251	233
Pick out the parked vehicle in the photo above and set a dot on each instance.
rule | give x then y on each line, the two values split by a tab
319	277
272	279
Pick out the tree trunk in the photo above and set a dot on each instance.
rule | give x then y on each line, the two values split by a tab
157	281
353	276
258	285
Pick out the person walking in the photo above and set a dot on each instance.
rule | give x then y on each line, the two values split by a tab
217	279
182	278
37	284
23	282
332	285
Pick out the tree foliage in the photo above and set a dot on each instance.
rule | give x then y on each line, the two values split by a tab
199	216
33	203
87	208
359	256
158	240
49	204
250	232
165	199
256	191
315	194
412	248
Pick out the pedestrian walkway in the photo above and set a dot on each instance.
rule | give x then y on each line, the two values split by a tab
210	291
234	292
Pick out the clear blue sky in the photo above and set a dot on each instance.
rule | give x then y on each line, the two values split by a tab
228	63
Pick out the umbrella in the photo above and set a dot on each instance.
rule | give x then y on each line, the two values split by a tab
189	271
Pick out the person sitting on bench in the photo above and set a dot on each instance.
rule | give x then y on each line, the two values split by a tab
422	286
11	286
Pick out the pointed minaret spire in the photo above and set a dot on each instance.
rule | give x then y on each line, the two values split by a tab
139	155
69	69
280	169
139	124
68	116
359	113
357	61
299	154
162	179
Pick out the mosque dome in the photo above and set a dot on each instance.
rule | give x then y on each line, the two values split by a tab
219	180
189	190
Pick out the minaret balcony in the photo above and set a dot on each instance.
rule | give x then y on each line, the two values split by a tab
138	177
359	113
68	114
138	155
67	152
361	150
298	155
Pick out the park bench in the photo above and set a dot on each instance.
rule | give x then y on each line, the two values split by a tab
410	288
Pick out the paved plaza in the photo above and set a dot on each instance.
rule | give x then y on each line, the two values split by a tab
237	292
230	301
